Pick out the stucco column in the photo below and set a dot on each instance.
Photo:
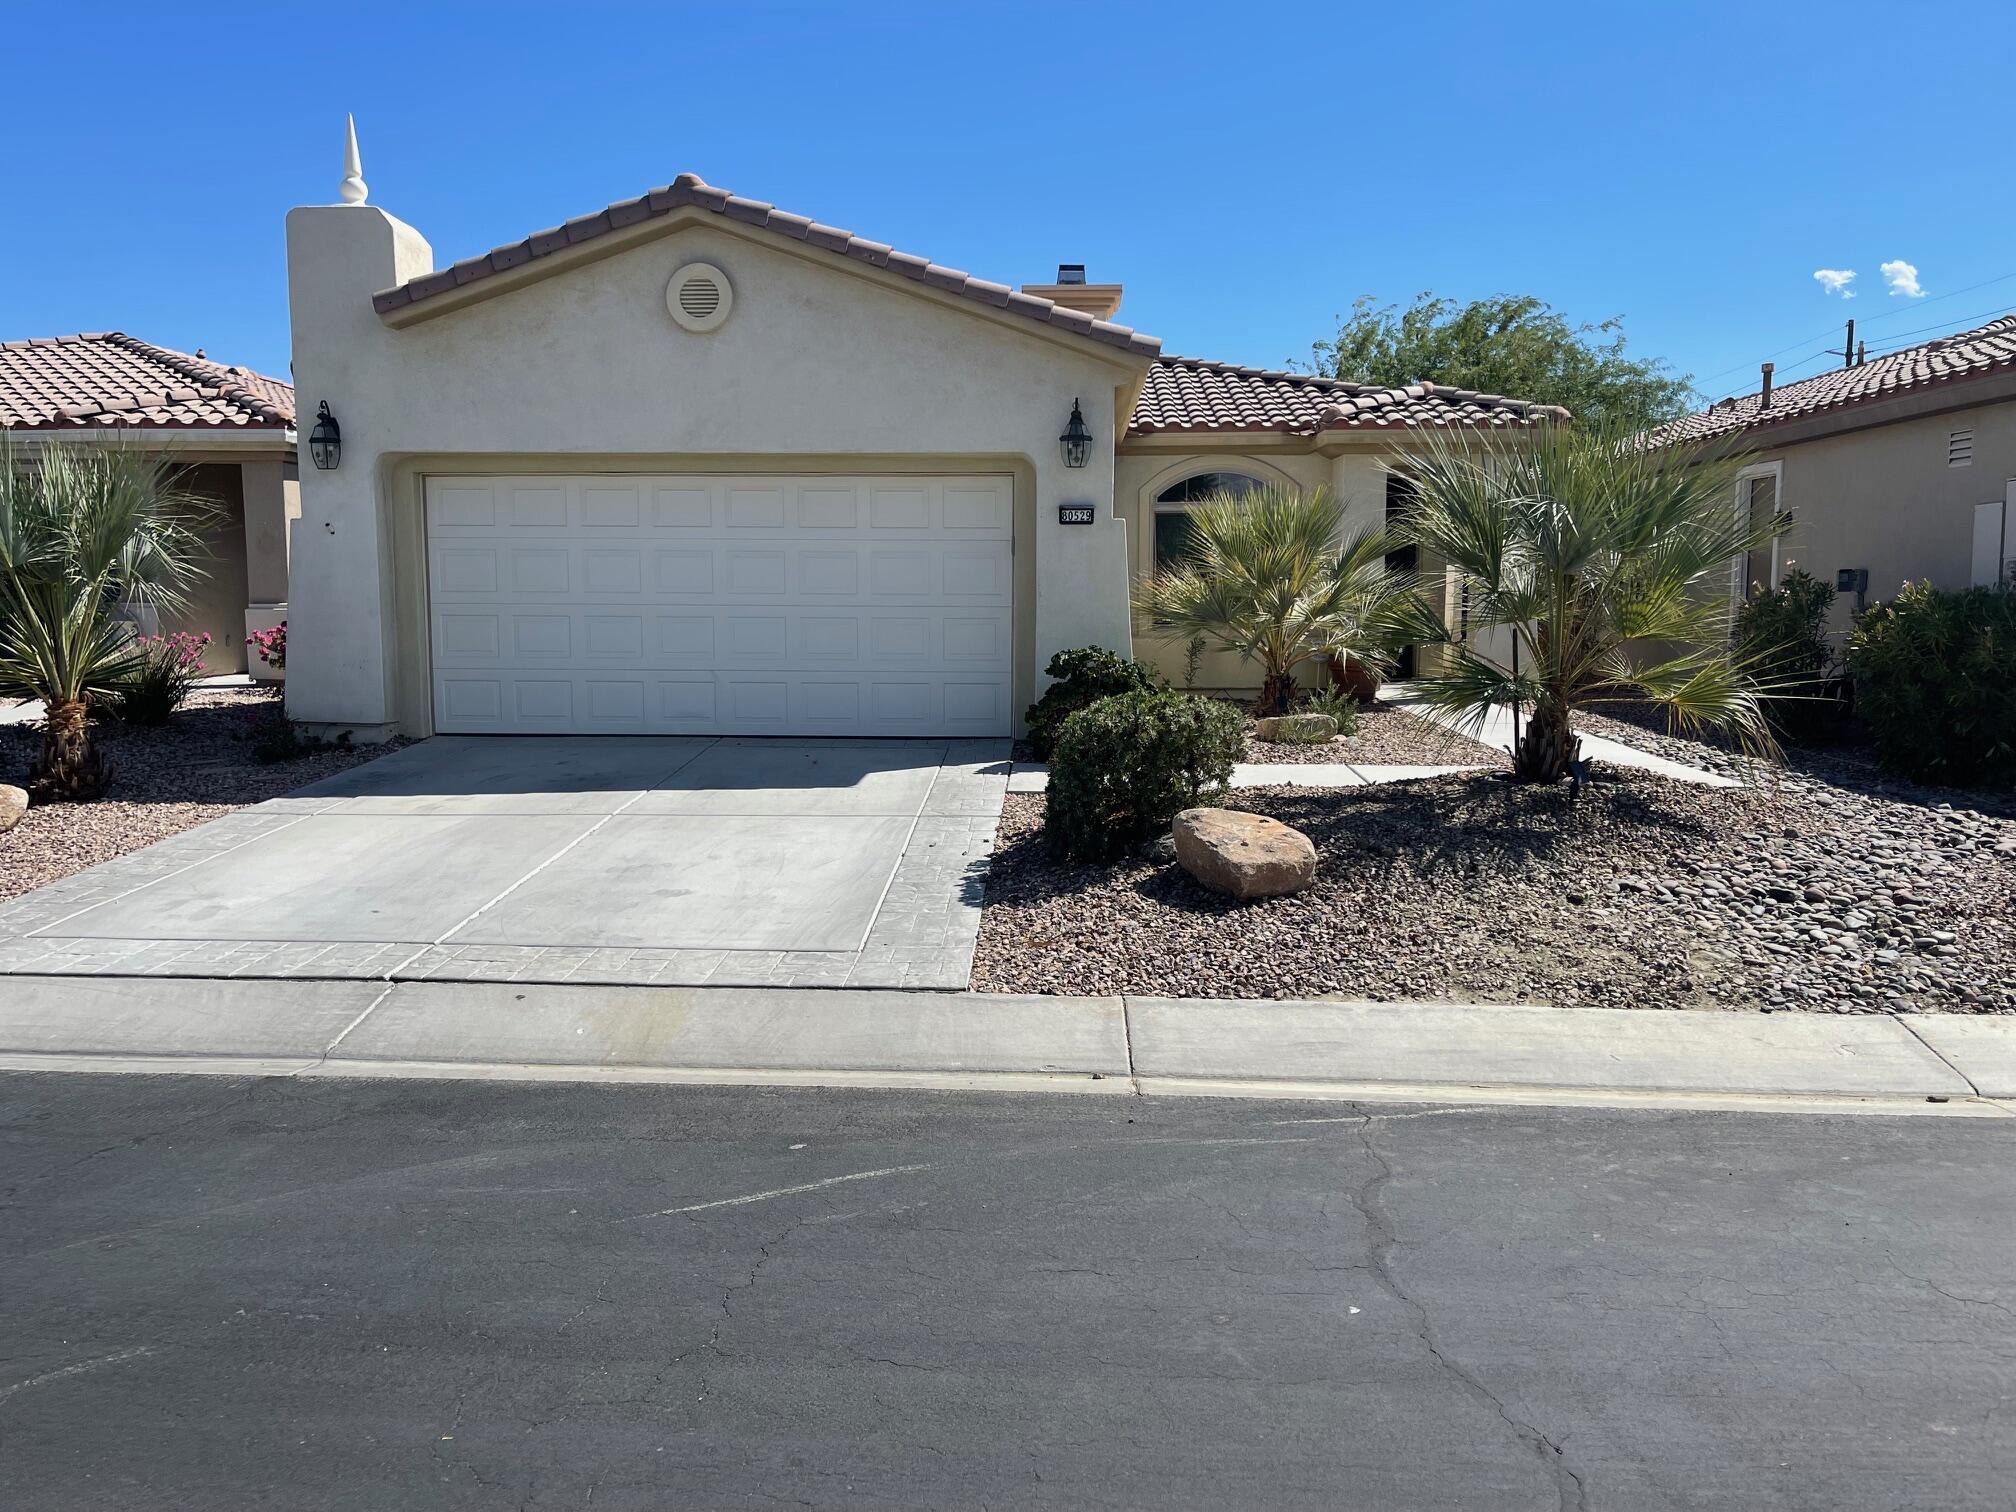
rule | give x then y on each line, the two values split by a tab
340	618
1358	481
1082	572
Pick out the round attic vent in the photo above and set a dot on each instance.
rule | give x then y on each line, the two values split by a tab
699	296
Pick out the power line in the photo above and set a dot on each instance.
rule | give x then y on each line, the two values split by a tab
1916	304
1899	342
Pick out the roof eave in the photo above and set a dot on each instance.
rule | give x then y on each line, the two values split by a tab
400	308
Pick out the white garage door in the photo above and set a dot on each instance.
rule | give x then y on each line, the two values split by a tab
721	605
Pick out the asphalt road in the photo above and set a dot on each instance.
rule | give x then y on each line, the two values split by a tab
220	1294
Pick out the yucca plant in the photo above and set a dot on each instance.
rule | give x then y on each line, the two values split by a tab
1273	576
84	530
1608	564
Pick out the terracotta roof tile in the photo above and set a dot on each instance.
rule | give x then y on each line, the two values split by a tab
1185	394
1945	360
688	189
107	379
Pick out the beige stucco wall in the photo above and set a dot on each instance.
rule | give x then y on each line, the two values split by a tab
1355	473
823	364
1885	499
216	601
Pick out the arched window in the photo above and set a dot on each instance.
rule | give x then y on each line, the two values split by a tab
1173	532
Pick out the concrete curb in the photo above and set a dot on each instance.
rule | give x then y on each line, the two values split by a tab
1411	1052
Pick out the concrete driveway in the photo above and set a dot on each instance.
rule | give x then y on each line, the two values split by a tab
648	860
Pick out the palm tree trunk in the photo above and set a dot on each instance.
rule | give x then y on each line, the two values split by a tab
1547	745
1276	693
72	769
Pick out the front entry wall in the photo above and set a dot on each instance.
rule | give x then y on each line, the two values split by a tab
722	605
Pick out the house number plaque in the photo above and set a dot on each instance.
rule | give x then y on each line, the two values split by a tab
1074	514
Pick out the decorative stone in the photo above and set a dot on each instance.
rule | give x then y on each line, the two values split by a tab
1244	855
13	804
1296	729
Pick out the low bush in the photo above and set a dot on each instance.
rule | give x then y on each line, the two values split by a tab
277	738
1935	680
1779	637
1083	677
1127	765
164	670
1339	703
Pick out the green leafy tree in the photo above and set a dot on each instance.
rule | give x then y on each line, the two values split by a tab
1273	576
83	531
1607	566
1510	344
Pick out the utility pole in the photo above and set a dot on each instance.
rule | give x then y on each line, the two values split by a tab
1847	352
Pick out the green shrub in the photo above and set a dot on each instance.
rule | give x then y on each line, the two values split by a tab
160	678
1935	679
1339	703
1129	764
1083	677
1778	635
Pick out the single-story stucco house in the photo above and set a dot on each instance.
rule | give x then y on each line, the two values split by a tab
232	430
692	464
1899	468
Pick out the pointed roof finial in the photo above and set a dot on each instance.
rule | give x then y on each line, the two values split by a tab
352	190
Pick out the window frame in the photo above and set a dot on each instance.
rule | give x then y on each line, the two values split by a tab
1739	590
1162	505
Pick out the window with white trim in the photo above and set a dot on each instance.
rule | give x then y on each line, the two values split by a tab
1759	495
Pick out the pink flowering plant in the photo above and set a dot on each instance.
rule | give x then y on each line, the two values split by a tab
163	671
271	644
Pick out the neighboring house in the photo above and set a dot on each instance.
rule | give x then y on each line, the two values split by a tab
231	428
1901	467
694	464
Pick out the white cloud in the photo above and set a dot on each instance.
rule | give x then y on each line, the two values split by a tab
1836	280
1903	279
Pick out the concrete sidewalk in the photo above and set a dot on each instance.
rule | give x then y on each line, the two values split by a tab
1358	1050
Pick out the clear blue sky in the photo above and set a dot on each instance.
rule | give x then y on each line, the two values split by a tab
1245	171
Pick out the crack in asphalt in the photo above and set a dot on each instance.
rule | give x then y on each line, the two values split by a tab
1369	1198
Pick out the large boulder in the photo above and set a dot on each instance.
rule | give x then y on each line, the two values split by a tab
13	804
1295	729
1246	855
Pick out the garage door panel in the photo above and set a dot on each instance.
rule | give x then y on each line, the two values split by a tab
722	606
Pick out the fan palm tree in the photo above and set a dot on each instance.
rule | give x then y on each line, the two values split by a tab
1607	564
83	531
1273	576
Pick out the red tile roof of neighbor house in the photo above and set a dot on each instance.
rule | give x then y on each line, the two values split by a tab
1949	359
1189	394
688	189
107	379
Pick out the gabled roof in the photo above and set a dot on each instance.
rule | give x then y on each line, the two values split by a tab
688	190
107	379
1186	394
1969	354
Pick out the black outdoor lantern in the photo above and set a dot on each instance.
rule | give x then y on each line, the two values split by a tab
1077	439
325	442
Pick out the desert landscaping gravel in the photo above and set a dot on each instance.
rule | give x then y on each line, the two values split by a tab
1386	736
1849	895
197	767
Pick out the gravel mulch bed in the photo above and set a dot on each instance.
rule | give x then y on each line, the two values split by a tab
1798	893
197	767
1386	737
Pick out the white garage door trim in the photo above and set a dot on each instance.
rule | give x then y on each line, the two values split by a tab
721	604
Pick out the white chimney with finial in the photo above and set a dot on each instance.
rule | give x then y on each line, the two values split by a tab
352	190
338	256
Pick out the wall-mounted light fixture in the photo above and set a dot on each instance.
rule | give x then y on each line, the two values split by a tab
1077	439
325	442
